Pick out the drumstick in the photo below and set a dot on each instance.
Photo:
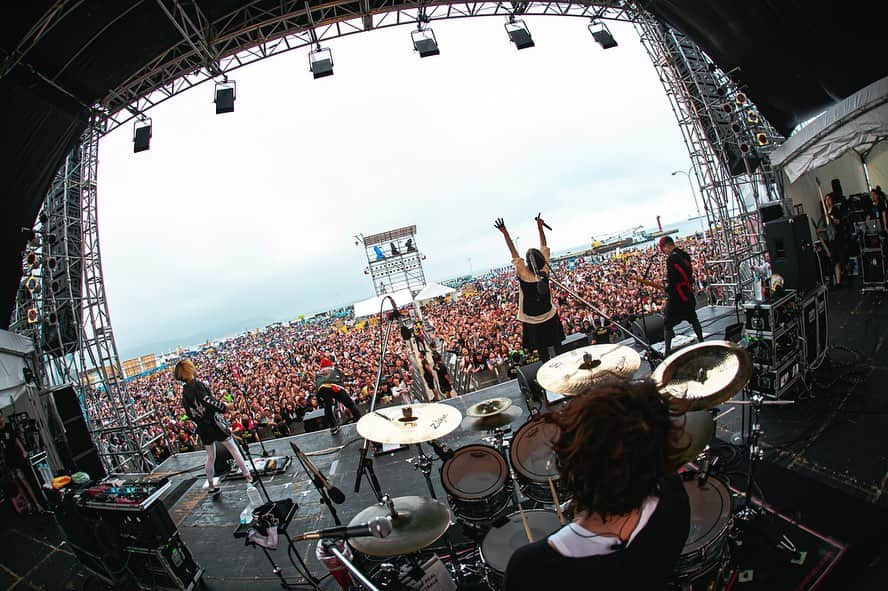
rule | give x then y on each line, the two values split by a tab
557	502
524	523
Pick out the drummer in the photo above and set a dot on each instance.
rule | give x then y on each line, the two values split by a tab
617	452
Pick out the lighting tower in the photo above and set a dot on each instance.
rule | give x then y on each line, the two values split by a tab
394	261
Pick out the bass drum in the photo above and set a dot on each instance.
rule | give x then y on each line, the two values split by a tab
535	463
703	561
504	538
477	482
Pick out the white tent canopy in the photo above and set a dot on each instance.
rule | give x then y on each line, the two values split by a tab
860	119
371	306
432	291
13	349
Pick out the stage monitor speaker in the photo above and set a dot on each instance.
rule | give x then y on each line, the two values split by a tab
573	341
771	211
649	328
792	252
82	452
314	421
530	389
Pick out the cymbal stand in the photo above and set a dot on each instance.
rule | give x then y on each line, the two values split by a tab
652	353
257	478
748	512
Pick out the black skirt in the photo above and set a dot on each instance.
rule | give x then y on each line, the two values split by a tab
539	336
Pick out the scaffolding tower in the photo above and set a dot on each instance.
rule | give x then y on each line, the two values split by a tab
394	261
61	306
729	143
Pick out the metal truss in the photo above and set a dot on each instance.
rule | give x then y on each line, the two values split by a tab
719	127
394	261
62	307
259	30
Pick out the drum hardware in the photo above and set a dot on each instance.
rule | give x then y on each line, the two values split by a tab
573	372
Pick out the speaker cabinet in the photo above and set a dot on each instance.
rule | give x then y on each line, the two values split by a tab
649	328
792	252
82	453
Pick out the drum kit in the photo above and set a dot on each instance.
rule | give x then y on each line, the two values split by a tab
485	482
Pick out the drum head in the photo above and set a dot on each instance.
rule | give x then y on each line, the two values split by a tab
501	542
474	472
710	512
531	451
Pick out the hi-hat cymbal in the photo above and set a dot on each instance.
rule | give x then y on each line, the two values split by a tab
572	372
705	374
492	422
488	408
409	423
419	521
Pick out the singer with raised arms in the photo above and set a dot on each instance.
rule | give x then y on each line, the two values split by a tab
541	328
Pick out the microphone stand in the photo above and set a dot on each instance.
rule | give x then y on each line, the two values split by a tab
316	480
365	463
331	547
257	479
652	353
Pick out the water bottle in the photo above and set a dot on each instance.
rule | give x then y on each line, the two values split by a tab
254	496
246	515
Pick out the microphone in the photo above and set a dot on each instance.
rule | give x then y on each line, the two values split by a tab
378	527
336	495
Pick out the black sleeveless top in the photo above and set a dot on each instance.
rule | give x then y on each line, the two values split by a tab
533	303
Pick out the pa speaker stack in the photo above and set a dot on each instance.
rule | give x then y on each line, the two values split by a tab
791	251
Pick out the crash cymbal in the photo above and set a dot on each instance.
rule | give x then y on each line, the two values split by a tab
573	372
697	429
492	422
409	423
418	522
489	407
705	374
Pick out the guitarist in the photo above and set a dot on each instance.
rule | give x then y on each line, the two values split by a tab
206	412
679	288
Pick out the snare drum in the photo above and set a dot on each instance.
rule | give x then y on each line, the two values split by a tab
706	549
534	461
503	539
477	482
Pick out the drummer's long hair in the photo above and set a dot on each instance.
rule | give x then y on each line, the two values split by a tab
618	442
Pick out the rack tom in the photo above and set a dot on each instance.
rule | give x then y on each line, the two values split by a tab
477	482
535	463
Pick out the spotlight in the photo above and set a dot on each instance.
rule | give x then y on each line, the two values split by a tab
762	138
32	315
740	99
602	35
224	96
727	107
752	117
32	259
736	127
320	62
519	34
141	135
425	43
32	284
744	148
51	264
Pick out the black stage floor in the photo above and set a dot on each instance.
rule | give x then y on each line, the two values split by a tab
824	475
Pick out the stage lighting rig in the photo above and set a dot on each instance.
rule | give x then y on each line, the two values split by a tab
424	42
226	92
320	62
142	131
602	35
518	32
762	138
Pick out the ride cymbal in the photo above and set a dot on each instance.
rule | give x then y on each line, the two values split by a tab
705	374
418	522
573	372
409	423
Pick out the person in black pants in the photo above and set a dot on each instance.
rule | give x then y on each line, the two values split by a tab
541	328
14	464
328	385
618	450
680	301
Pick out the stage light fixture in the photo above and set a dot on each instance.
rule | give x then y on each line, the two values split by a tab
32	315
736	127
752	117
52	318
424	42
141	135
31	284
762	138
727	107
32	259
740	99
226	92
320	62
519	34
602	35
744	148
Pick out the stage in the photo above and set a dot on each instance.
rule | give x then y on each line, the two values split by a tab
823	479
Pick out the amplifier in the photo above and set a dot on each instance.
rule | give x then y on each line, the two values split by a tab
168	567
770	316
812	325
774	383
774	349
314	421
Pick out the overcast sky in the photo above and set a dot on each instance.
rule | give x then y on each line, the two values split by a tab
233	221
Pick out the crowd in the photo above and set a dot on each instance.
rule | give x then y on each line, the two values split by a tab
267	376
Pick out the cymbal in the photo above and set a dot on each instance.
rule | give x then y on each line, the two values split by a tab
697	429
494	421
409	423
572	372
705	374
419	522
489	407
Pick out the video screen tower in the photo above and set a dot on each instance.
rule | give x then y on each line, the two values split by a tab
394	261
